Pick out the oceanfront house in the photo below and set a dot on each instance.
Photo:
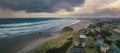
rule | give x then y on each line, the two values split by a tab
98	37
83	37
76	44
84	44
104	48
92	30
87	25
98	29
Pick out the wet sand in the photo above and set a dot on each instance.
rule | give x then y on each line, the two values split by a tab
25	43
13	45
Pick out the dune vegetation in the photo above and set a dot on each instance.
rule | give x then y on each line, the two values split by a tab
62	43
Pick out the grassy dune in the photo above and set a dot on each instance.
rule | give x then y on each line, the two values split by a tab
62	44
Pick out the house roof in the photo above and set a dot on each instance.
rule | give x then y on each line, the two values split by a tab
99	43
83	36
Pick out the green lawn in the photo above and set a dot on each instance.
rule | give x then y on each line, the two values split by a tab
89	50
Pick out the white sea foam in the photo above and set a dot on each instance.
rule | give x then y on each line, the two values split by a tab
10	30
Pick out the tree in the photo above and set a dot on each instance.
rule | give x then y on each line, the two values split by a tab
90	34
100	24
106	33
108	42
118	43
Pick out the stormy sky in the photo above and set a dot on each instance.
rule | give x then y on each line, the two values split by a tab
59	8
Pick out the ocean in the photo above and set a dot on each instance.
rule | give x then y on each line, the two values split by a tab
12	27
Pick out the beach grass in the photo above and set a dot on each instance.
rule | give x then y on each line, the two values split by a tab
56	44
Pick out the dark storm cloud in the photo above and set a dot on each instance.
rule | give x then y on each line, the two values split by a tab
40	5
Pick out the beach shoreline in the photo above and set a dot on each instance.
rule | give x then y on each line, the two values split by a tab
25	43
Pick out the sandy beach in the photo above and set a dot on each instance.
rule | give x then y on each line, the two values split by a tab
25	43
